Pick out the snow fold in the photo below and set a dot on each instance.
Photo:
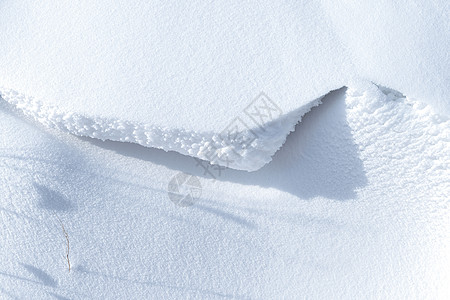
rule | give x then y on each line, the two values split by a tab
248	149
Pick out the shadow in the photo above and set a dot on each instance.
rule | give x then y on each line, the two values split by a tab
41	275
7	107
319	158
2	290
19	278
46	161
42	279
18	215
82	269
224	215
52	200
59	297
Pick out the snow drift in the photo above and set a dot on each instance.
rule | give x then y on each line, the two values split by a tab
180	76
237	147
355	205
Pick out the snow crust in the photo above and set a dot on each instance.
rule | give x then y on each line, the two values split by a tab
355	205
174	75
246	149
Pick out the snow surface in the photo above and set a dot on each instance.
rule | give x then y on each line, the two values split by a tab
401	44
355	205
176	75
242	148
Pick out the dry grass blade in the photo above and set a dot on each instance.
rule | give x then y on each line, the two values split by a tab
66	235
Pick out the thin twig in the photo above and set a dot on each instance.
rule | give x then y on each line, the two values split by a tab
67	240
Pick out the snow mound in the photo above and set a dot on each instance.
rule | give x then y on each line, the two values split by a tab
180	76
399	44
354	205
237	147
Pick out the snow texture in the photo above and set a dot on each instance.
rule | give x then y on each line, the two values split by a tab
247	149
177	75
400	44
355	205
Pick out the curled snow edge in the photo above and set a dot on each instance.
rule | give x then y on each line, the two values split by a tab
260	143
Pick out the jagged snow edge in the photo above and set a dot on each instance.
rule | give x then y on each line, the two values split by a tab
208	146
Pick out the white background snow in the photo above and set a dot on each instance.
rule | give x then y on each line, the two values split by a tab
355	204
173	75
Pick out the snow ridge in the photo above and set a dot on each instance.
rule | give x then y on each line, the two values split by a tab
247	149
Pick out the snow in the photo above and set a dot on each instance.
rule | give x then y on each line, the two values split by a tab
243	148
174	75
152	61
169	104
400	44
355	205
